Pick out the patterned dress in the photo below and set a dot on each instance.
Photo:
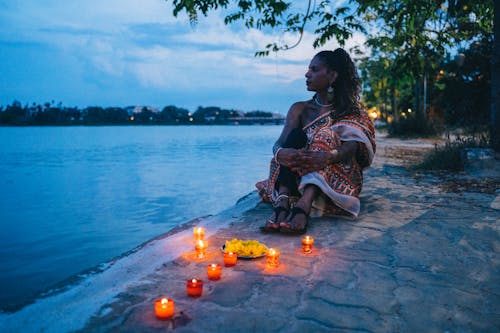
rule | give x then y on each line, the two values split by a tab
340	183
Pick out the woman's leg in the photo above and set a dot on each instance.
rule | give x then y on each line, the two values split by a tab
296	139
296	222
280	212
286	183
298	219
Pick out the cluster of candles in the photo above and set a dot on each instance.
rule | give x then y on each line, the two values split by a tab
165	307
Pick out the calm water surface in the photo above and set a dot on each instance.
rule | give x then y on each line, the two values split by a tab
74	197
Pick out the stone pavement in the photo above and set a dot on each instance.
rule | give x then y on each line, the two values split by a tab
418	259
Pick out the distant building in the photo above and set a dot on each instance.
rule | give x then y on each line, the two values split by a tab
242	119
131	110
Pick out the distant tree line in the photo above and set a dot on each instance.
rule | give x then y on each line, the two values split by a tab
52	114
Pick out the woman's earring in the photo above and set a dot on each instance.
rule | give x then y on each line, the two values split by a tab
330	94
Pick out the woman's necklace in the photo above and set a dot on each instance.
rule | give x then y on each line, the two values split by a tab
319	104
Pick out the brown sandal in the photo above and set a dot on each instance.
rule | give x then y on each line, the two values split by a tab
288	228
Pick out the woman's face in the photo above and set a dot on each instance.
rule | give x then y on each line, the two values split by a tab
319	76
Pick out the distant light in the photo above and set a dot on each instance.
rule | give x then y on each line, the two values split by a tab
190	118
132	118
409	110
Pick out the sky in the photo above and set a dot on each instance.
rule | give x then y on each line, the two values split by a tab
135	52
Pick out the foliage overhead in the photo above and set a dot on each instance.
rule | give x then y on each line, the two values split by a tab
415	27
329	21
417	34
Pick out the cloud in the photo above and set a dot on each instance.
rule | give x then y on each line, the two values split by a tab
136	50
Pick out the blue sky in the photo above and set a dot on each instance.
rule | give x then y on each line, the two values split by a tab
134	52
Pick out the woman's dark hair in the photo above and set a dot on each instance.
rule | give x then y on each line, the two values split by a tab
347	85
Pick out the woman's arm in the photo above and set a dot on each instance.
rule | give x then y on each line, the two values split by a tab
289	156
292	121
317	160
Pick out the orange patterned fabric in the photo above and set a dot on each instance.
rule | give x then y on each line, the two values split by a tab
340	183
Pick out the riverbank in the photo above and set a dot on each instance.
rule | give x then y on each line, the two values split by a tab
421	257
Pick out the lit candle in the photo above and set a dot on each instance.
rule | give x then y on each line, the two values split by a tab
200	246
307	244
199	233
214	271
194	287
273	257
230	259
164	308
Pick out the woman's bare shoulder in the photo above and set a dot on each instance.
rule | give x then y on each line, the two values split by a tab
298	107
296	114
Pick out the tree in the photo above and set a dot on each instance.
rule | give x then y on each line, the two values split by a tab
418	34
329	21
495	83
414	35
465	96
174	115
146	116
14	114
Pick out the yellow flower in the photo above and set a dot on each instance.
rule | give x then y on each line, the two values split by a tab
247	248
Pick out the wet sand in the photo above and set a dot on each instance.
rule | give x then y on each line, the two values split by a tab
422	257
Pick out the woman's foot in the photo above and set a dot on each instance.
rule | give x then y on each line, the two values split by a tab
280	212
296	222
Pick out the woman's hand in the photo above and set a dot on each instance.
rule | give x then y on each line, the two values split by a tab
307	161
304	161
313	161
292	158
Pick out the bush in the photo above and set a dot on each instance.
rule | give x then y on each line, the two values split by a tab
448	157
414	125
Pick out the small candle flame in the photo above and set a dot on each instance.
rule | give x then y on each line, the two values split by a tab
230	253
194	280
164	301
308	240
213	265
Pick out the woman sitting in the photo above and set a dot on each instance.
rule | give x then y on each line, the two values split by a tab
320	155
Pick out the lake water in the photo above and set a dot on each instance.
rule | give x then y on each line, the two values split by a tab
74	197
